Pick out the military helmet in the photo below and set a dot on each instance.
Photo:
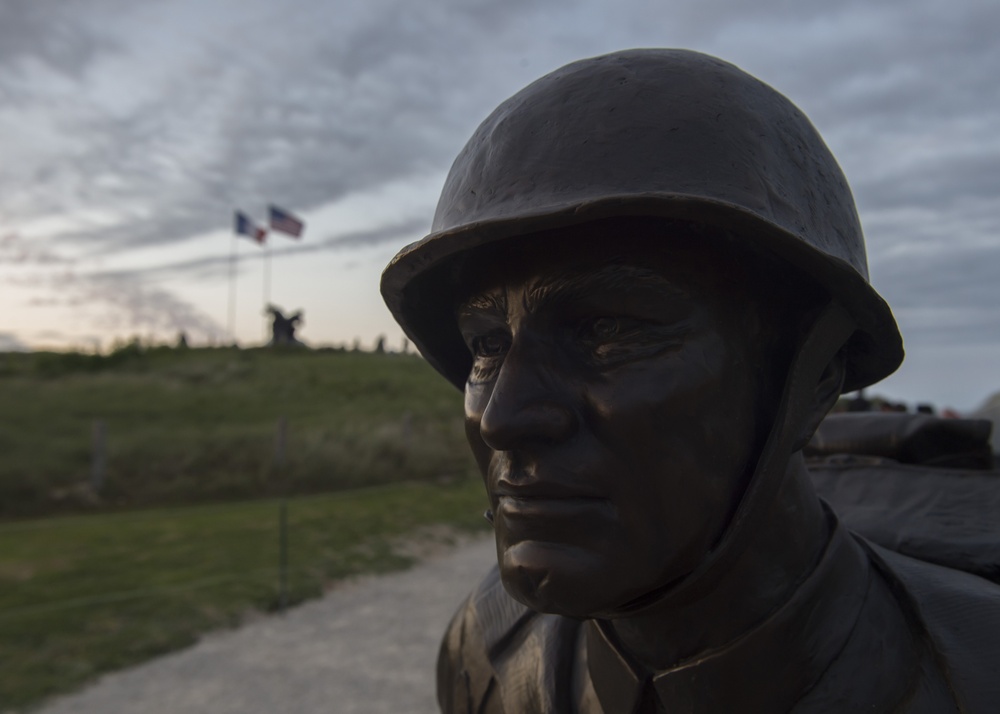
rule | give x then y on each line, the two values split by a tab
655	133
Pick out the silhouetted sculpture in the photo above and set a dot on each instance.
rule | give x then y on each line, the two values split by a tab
283	328
647	273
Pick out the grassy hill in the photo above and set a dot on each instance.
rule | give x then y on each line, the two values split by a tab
88	594
184	534
196	425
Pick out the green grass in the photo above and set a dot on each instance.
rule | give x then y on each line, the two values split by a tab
83	595
189	426
181	537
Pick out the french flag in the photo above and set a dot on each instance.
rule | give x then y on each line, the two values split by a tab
286	222
244	226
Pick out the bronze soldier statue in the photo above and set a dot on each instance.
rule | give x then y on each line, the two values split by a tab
647	274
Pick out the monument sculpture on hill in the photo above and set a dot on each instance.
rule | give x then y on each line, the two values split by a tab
647	274
283	328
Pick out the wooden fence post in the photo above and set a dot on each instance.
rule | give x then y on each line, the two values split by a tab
283	556
99	454
280	441
407	429
280	444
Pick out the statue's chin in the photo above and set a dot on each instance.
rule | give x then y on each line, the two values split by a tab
557	579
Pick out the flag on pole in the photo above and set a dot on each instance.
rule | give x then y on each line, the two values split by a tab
244	226
285	222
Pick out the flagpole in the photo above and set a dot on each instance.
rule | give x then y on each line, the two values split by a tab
232	289
267	283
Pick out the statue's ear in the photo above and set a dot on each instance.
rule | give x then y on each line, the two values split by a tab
827	391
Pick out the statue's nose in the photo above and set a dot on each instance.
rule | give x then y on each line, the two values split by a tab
530	403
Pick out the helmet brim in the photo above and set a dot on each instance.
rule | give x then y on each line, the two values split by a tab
420	284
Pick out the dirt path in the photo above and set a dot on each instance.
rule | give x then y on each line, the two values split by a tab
367	647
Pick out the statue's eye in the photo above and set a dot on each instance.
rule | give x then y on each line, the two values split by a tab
492	345
604	328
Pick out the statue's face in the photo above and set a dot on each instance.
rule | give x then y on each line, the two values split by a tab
611	408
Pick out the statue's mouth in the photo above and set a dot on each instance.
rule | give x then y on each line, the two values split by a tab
533	488
531	506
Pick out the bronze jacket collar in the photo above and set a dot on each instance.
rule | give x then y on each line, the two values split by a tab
791	649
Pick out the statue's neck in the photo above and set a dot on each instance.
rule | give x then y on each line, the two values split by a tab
780	554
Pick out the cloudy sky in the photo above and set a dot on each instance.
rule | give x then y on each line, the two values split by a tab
129	131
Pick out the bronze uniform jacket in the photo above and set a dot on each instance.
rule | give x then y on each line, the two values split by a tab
869	630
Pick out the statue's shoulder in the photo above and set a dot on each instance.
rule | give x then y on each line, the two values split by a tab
466	680
498	655
960	613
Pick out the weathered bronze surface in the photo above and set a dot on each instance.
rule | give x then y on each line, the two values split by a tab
647	274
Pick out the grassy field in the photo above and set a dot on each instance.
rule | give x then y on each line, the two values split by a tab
189	426
180	536
84	595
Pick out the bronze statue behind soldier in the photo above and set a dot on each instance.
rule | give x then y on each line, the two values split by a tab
283	328
647	274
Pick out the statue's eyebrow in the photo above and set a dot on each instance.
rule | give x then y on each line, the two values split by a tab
574	285
492	301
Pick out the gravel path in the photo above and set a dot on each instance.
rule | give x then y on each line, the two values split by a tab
368	647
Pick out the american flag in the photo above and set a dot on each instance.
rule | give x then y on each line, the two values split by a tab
285	222
244	226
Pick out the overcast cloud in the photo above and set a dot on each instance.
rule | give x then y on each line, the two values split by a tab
129	127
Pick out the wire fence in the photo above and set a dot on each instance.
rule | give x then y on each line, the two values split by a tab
114	463
178	550
83	595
